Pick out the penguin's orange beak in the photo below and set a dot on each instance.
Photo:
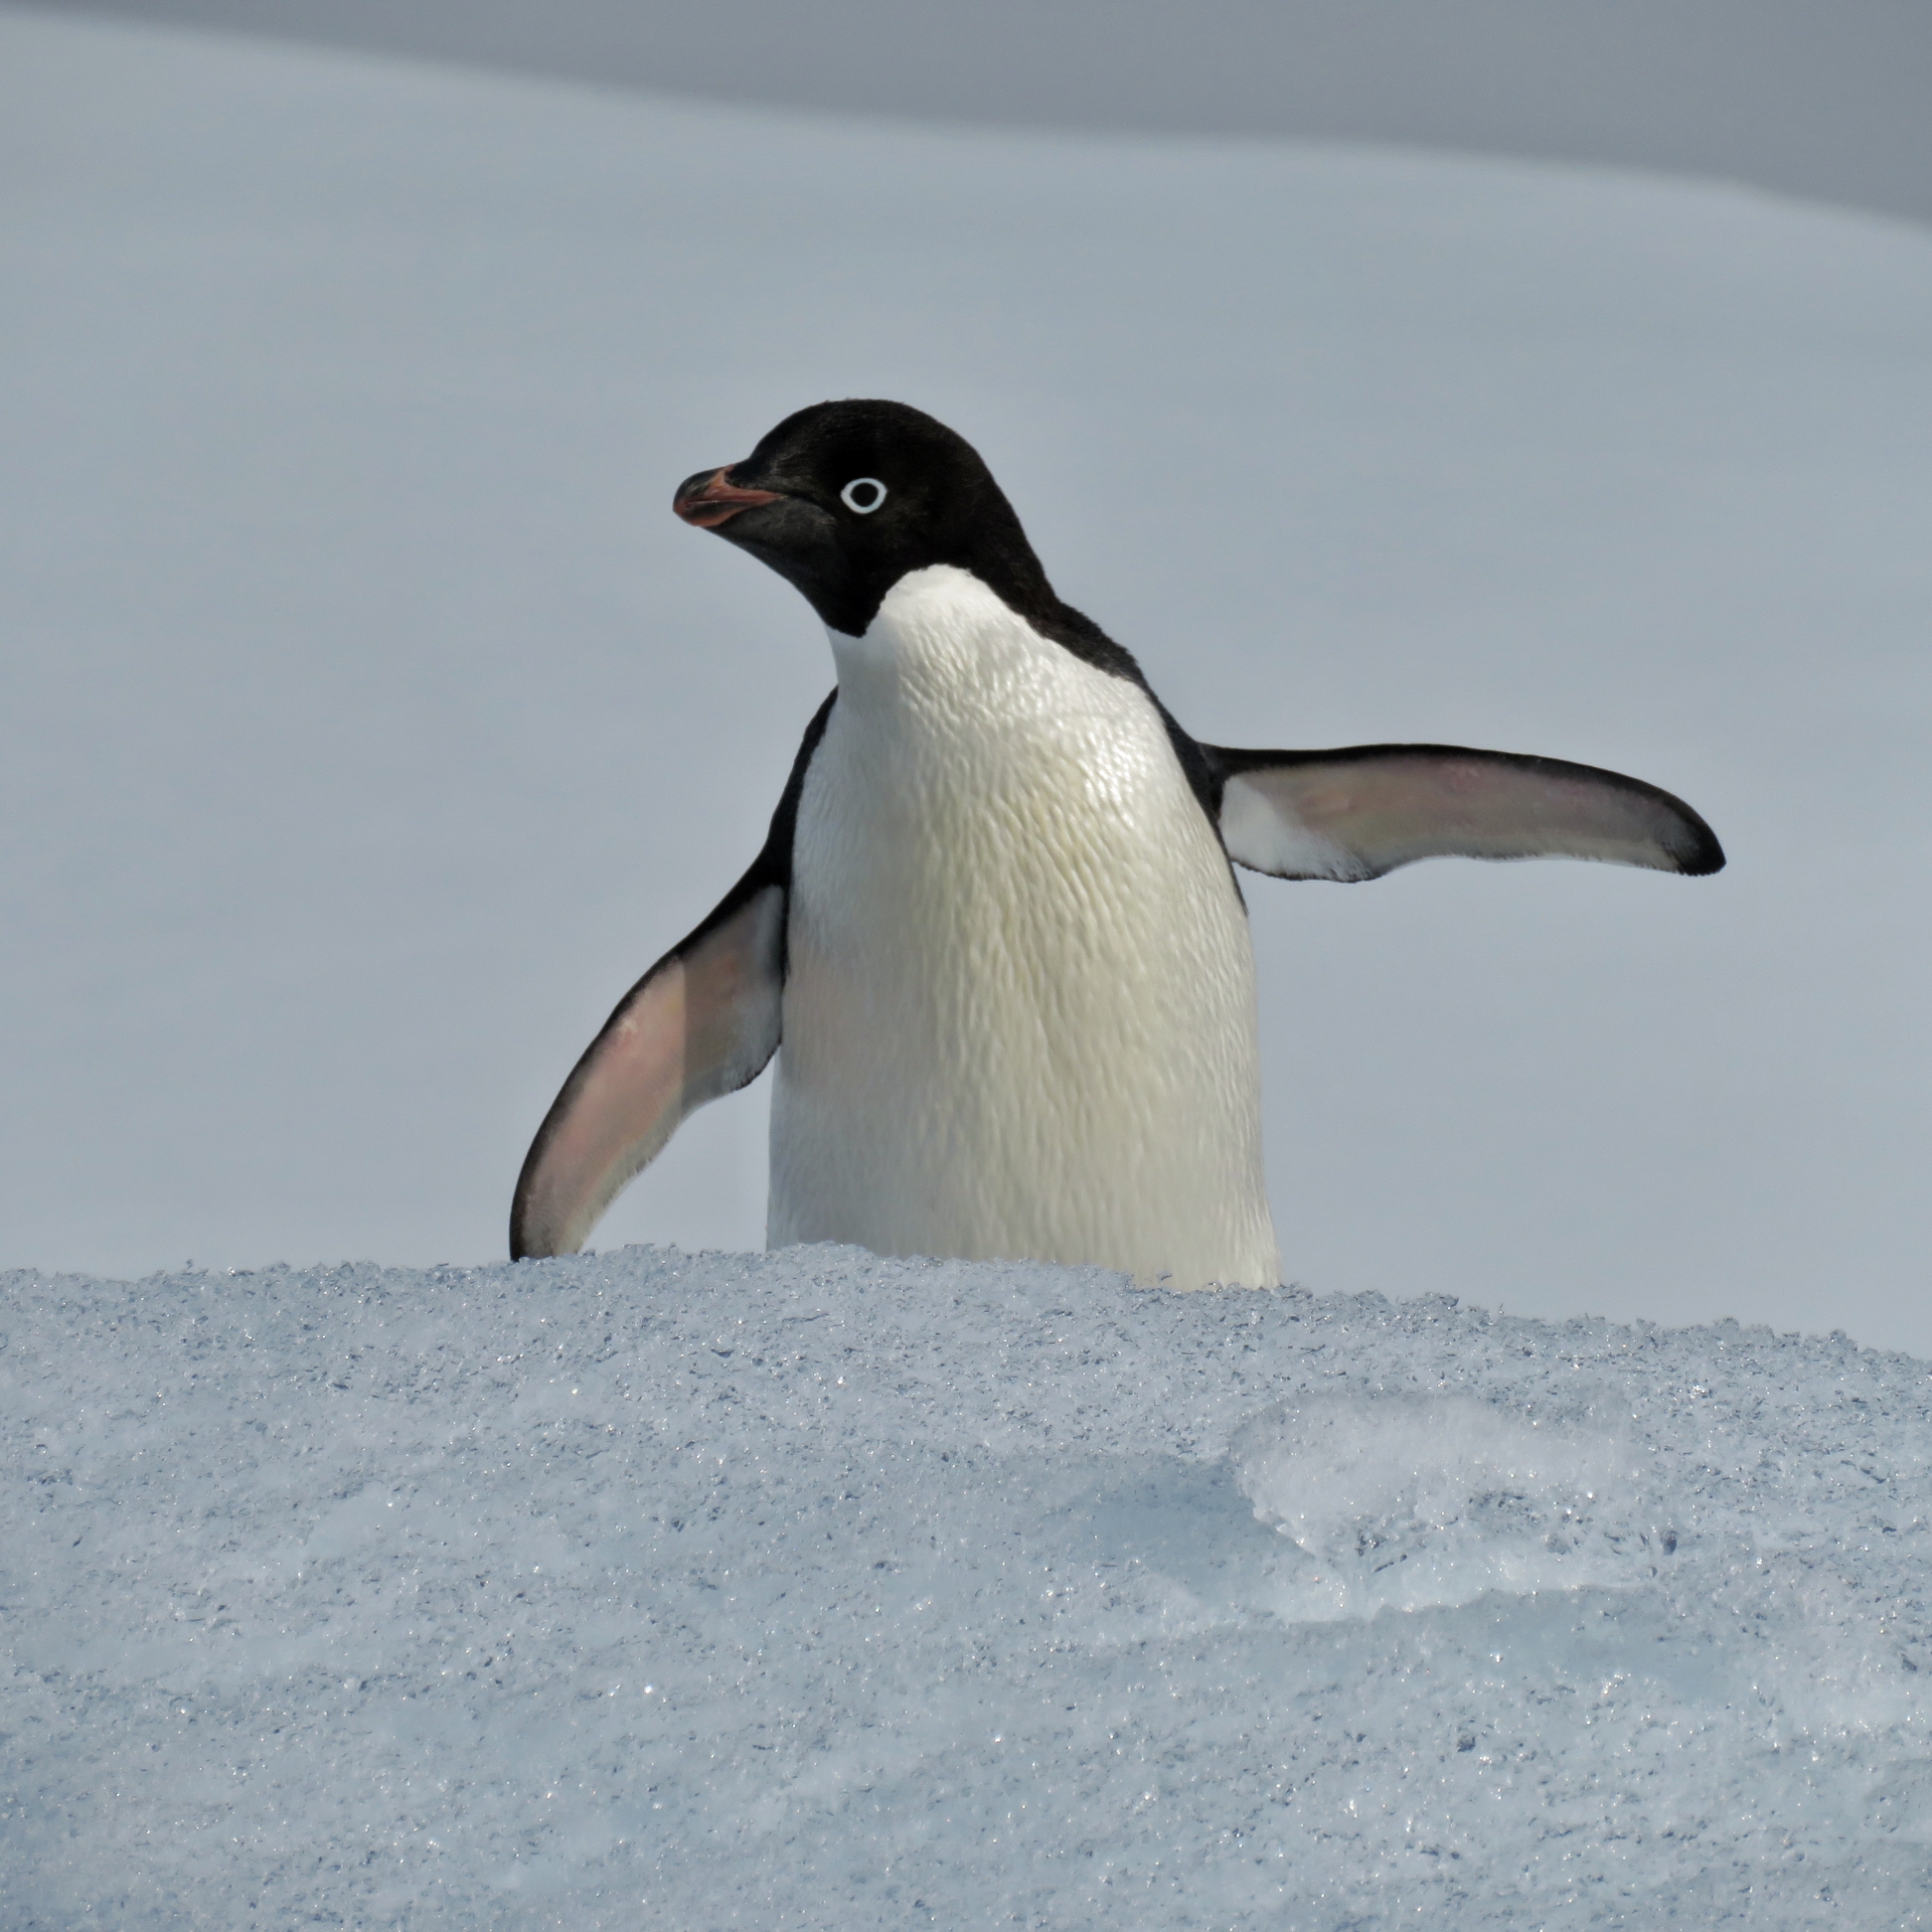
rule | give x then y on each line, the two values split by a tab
709	500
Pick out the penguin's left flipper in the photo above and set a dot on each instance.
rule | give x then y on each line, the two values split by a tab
1359	812
701	1023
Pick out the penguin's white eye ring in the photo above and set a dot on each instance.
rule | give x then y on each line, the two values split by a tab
867	488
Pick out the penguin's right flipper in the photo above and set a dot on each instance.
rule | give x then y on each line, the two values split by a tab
1362	810
701	1023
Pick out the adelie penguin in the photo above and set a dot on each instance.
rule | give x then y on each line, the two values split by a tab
995	937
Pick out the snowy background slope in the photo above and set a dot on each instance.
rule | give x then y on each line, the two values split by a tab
1822	99
809	1590
371	723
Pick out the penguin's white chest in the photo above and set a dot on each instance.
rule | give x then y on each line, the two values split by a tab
1019	1010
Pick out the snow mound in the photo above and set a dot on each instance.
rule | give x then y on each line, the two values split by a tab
816	1590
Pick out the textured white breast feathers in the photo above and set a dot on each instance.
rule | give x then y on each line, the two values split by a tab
1019	1012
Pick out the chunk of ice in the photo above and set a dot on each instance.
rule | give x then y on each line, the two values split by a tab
1409	1501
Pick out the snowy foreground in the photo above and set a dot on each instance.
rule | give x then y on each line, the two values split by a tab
814	1590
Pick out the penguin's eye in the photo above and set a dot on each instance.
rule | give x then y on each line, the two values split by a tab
864	493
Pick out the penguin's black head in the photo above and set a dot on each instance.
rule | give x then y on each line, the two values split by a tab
843	499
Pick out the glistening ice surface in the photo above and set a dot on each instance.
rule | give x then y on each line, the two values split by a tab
815	1591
